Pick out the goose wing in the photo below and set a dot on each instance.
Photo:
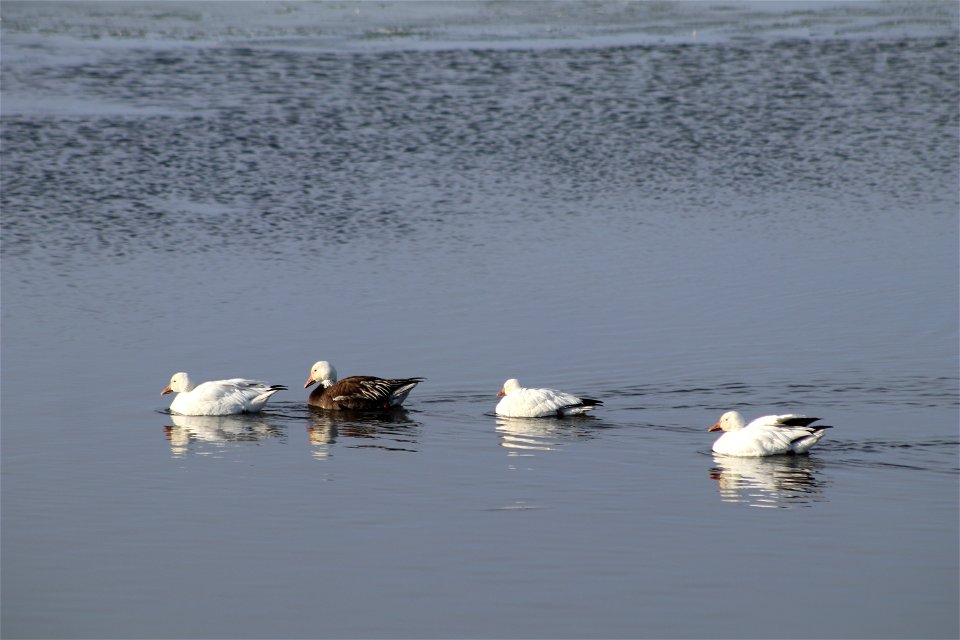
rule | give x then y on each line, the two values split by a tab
360	391
235	395
778	434
536	403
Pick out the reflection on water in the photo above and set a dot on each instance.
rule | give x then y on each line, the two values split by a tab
524	436
187	433
392	431
774	481
321	434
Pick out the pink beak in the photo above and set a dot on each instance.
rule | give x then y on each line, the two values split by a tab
310	381
715	427
501	393
166	390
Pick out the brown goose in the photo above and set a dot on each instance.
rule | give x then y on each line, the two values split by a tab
356	393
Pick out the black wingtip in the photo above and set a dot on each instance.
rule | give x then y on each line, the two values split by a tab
798	422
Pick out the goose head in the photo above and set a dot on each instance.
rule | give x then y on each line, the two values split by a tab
730	421
322	372
510	386
178	382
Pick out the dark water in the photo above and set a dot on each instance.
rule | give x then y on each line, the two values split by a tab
763	222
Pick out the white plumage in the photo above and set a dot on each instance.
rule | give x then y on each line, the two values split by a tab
518	402
767	435
218	397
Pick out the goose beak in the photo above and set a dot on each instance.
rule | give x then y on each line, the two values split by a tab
501	393
166	390
310	381
715	427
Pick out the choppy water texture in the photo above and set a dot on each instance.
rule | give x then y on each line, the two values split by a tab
677	208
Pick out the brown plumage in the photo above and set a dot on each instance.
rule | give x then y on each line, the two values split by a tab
356	393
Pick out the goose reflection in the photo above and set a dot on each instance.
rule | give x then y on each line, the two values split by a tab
188	431
525	436
775	481
391	431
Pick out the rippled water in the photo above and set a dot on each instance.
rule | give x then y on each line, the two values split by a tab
676	208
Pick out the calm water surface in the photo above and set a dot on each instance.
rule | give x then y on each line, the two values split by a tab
674	208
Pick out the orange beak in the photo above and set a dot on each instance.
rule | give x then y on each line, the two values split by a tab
166	390
310	381
501	393
715	427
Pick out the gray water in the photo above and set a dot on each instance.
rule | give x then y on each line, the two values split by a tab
676	208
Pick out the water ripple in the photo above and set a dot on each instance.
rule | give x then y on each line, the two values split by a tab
916	391
324	148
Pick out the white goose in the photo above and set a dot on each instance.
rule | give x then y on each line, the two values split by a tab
218	397
767	435
518	402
